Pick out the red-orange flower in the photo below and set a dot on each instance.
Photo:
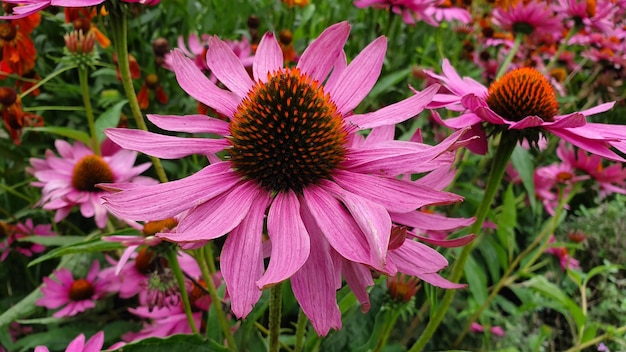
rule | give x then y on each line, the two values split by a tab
151	83
13	116
18	49
82	19
135	71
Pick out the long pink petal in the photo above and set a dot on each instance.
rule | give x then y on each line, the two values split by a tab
290	239
216	217
359	77
242	259
359	278
157	202
94	343
193	81
436	280
268	57
453	243
314	285
163	146
318	58
414	258
190	123
396	113
434	222
227	67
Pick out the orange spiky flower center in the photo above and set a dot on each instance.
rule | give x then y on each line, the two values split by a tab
287	133
145	261
153	227
81	289
521	93
89	171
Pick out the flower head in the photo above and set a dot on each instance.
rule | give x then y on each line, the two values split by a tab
70	179
74	295
14	232
290	157
94	344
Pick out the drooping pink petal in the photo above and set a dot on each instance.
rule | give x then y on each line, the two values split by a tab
156	202
227	67
163	146
190	123
318	58
414	258
290	239
268	58
569	121
314	285
397	112
242	259
358	277
452	243
359	77
436	280
427	221
217	216
527	122
194	83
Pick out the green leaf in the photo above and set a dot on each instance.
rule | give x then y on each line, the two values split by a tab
476	280
523	163
23	308
387	82
92	245
550	290
63	131
110	118
600	270
507	219
53	240
187	343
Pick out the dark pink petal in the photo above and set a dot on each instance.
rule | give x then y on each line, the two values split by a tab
438	179
338	227
314	285
395	195
436	280
527	122
465	120
227	67
488	115
453	243
359	278
190	123
268	58
242	259
359	77
414	258
194	83
372	218
94	343
77	344
578	137
433	222
569	121
598	109
163	146
217	216
289	237
395	113
26	10
318	58
157	202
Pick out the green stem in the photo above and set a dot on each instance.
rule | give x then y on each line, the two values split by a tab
207	266
600	338
300	331
172	260
83	77
119	29
561	49
509	58
387	328
276	302
500	160
45	80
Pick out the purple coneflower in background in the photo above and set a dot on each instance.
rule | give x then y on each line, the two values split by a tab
290	169
20	230
94	344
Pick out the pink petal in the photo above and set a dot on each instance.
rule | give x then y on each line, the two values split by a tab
268	58
227	67
163	146
453	243
359	77
156	202
414	258
358	277
569	121
190	123
314	285
217	216
340	65
193	81
436	280
94	344
318	58
77	344
289	238
242	259
434	222
598	147
527	122
395	113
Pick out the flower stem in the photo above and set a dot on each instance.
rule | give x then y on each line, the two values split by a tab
172	260
509	58
276	302
389	323
206	261
300	331
83	77
561	48
119	29
600	338
45	80
498	167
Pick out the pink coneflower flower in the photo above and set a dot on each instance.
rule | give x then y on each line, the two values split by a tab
533	17
15	232
69	180
76	295
522	103
552	180
412	11
162	322
94	344
290	157
566	261
29	7
495	330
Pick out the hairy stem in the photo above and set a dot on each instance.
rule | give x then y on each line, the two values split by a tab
172	260
83	77
276	302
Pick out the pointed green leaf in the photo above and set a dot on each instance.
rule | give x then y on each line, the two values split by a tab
63	131
110	118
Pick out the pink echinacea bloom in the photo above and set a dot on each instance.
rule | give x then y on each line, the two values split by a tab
291	169
29	7
15	232
94	344
76	295
69	179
